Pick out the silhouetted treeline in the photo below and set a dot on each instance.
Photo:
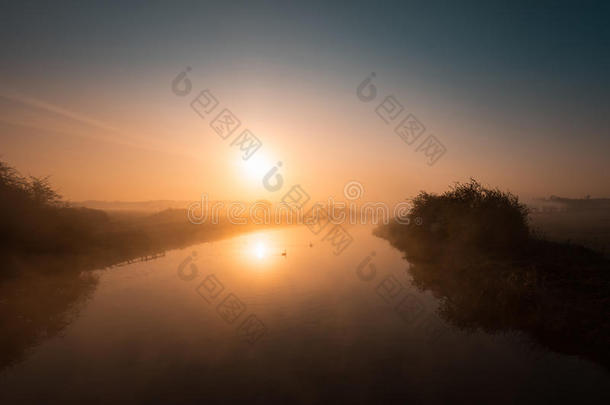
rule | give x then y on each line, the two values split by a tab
34	219
36	224
475	251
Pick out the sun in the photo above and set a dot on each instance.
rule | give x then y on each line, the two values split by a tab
256	167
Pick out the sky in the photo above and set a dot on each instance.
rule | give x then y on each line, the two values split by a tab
517	94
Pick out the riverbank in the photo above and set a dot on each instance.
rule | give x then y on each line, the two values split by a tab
475	251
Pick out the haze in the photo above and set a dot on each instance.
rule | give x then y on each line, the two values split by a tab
87	95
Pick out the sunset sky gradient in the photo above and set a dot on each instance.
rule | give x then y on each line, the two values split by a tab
519	94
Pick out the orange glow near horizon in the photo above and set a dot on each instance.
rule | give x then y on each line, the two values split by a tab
93	152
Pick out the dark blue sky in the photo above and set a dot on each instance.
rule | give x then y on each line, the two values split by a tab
503	51
557	40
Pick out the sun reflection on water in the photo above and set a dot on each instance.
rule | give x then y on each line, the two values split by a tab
260	250
263	248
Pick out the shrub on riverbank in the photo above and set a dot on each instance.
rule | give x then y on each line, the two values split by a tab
468	218
474	250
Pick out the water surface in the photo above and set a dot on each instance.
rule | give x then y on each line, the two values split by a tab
318	331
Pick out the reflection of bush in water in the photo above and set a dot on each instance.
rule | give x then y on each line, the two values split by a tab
36	306
475	252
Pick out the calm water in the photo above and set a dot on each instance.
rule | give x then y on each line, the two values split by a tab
315	331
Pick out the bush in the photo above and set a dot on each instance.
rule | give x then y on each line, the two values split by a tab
474	251
468	218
